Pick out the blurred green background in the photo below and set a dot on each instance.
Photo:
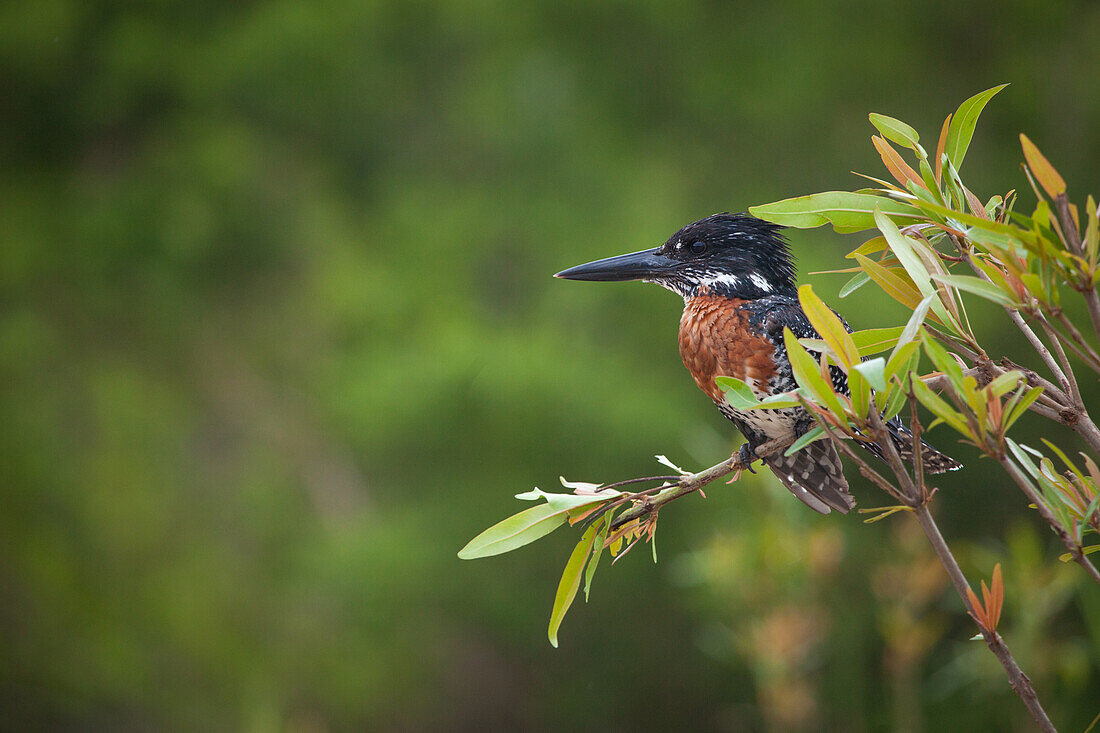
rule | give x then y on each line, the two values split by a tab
279	336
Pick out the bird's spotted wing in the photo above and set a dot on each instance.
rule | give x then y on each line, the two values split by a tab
815	476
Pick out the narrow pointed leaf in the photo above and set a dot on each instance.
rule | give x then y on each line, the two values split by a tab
805	439
829	326
858	281
997	597
515	531
1005	383
778	401
899	169
940	408
874	340
903	248
903	360
963	122
894	130
1021	407
943	361
893	285
597	552
874	371
978	287
941	147
976	608
1092	231
847	211
859	393
568	502
1049	178
569	583
915	321
872	246
738	393
808	375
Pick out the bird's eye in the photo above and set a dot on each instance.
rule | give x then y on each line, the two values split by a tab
698	248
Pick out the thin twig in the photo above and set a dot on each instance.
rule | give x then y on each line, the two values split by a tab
1093	365
1040	348
1071	378
1073	241
893	459
1092	358
692	483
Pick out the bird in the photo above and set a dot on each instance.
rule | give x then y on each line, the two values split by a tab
737	277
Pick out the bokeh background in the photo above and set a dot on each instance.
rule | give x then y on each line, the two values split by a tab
279	336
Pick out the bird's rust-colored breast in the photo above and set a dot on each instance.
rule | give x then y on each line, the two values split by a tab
716	340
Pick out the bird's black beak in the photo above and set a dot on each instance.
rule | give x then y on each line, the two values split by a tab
643	265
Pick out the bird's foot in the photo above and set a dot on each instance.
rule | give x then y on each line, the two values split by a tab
747	455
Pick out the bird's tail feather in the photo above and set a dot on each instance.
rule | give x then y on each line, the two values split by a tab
931	459
815	476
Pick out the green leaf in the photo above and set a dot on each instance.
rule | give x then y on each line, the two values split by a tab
943	361
929	179
597	551
1066	557
912	326
805	439
847	211
963	122
870	247
895	401
1005	383
858	281
978	287
904	360
1021	407
829	326
569	583
903	248
874	371
940	408
874	340
1065	459
515	531
859	393
779	401
807	374
961	219
738	393
890	282
895	131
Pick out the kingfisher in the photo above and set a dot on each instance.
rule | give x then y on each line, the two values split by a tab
737	277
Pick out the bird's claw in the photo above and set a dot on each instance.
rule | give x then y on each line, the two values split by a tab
746	456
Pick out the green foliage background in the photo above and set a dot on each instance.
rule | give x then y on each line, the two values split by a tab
279	336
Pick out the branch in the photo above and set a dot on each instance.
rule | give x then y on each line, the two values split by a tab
1071	378
1016	677
1040	348
693	482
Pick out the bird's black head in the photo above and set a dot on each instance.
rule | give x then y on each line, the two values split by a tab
734	255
